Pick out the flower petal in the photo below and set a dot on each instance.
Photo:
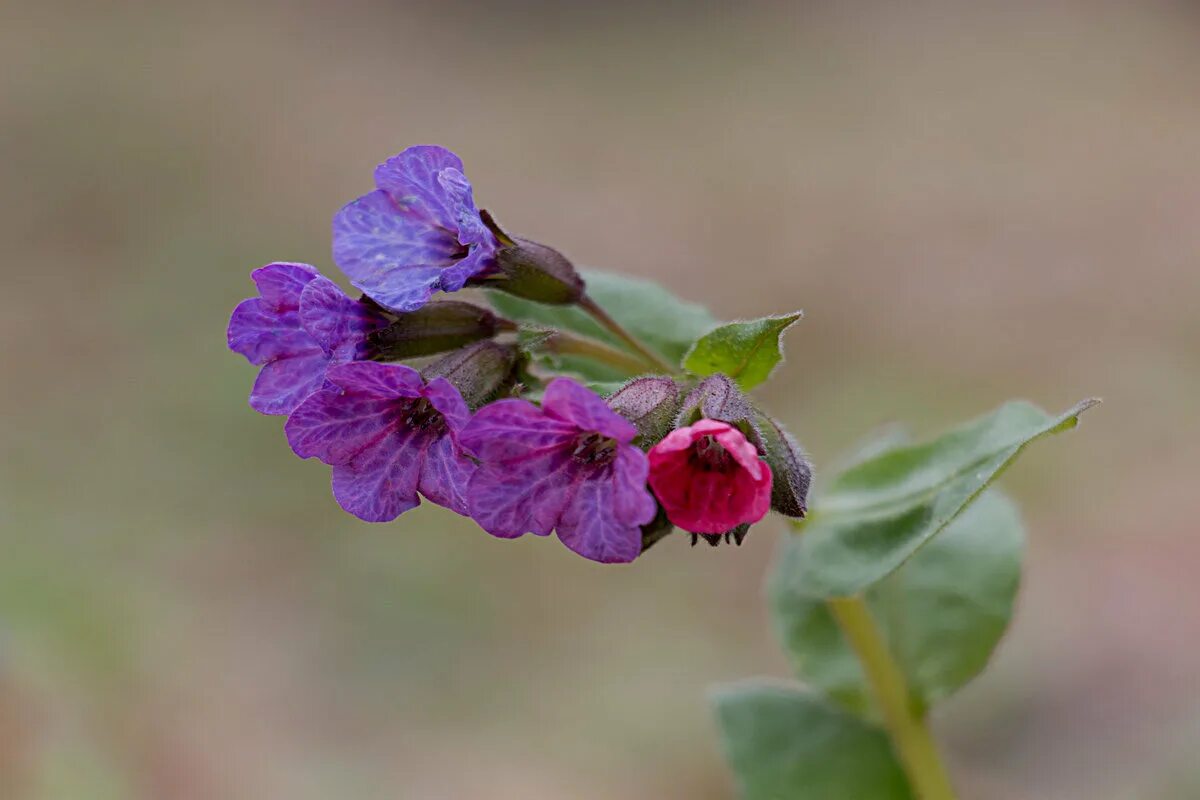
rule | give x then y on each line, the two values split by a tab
706	506
376	379
335	426
677	441
632	502
449	403
479	261
413	181
743	452
283	384
395	257
460	202
446	474
280	284
511	430
380	483
716	503
590	525
522	496
572	402
331	318
262	334
752	494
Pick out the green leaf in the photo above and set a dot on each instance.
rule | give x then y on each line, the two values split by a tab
659	319
880	441
942	613
746	351
878	513
784	743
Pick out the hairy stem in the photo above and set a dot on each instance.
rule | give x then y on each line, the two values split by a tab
907	728
565	344
601	316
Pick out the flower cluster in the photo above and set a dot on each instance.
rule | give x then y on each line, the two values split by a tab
470	420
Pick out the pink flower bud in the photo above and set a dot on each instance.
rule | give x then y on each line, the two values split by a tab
709	478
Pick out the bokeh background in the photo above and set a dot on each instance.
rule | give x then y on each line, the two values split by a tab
970	201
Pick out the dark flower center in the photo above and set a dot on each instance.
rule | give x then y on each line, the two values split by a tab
594	449
420	414
708	454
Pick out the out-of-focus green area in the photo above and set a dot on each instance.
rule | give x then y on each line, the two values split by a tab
970	203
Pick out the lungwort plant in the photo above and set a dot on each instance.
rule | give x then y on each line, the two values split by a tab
605	410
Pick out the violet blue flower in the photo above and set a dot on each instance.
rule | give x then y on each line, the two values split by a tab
299	325
567	466
387	434
417	233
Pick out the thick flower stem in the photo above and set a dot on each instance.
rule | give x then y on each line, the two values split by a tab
601	316
565	344
908	729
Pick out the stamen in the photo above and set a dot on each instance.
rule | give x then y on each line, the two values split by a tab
595	449
421	414
709	454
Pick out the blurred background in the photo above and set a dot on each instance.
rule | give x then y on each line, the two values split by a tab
971	202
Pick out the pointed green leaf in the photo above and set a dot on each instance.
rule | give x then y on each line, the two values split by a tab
659	319
877	514
942	613
746	351
785	743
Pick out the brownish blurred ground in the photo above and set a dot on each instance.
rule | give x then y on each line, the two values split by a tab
970	202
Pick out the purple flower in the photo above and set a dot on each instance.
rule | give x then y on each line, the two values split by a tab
300	324
387	434
418	233
568	465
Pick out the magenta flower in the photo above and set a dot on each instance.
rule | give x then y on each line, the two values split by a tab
417	233
299	325
388	435
709	478
567	466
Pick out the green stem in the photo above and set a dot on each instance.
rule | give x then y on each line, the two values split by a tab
600	315
907	728
565	344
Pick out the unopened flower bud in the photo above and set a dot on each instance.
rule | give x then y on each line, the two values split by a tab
718	397
532	270
651	404
789	465
434	328
480	371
